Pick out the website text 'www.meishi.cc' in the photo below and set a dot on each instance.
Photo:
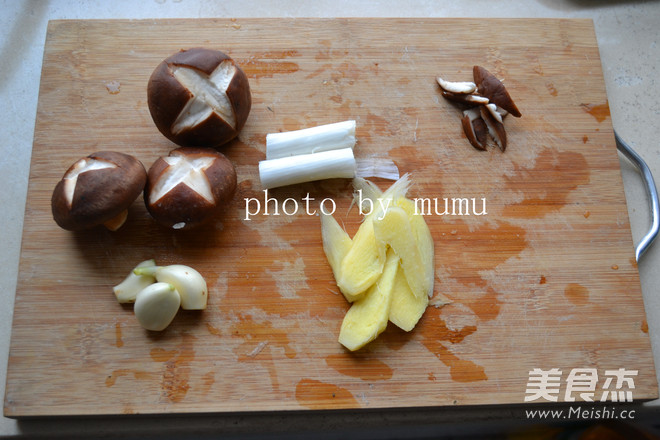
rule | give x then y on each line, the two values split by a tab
582	412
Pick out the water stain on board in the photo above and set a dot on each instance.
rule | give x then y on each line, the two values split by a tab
261	343
412	154
208	379
256	332
486	247
111	379
213	330
437	336
268	64
361	365
598	111
547	185
315	394
119	342
175	377
483	249
161	355
577	294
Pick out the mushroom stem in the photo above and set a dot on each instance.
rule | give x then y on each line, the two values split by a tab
117	221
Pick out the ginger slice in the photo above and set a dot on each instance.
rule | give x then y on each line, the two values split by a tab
363	263
336	244
423	239
368	317
406	308
394	229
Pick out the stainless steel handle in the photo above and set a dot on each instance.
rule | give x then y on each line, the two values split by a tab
651	191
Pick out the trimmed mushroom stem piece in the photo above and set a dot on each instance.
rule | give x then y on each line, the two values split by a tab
492	88
495	128
493	109
463	98
189	187
96	190
486	107
457	87
475	128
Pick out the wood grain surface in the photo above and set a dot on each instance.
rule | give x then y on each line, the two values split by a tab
546	279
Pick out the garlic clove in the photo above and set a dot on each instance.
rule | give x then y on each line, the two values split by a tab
156	305
127	290
187	281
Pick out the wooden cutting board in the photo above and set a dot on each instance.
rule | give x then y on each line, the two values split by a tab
546	279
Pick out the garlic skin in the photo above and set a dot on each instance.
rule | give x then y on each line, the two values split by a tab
156	306
127	290
189	283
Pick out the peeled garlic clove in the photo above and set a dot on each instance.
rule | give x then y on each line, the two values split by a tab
127	290
156	305
187	281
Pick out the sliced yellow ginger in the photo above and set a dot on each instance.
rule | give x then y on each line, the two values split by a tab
406	308
363	263
365	260
387	269
423	239
368	317
336	244
395	230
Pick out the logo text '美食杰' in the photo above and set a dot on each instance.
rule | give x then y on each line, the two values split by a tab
584	384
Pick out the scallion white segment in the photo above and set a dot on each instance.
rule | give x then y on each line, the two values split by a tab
327	137
307	167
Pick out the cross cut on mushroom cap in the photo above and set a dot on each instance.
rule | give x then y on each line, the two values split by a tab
98	189
183	170
189	187
199	97
82	166
209	94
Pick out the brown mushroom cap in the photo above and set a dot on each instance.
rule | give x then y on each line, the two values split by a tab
96	189
199	97
492	88
189	187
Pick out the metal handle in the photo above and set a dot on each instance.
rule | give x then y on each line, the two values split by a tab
651	191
